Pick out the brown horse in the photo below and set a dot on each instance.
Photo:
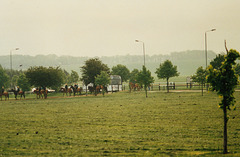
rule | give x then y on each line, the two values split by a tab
66	91
42	93
16	93
134	86
38	93
79	90
4	94
70	91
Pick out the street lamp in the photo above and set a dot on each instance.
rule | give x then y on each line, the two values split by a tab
206	43
11	63
143	49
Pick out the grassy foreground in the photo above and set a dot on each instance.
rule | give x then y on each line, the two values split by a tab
119	124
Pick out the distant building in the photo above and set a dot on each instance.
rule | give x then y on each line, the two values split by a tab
115	83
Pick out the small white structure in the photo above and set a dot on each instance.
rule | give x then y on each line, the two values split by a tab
115	83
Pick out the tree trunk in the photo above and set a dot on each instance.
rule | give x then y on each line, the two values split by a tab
167	86
146	91
225	151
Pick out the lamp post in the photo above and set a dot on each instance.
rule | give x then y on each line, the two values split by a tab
11	63
206	43
143	50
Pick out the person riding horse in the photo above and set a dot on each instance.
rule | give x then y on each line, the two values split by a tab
2	89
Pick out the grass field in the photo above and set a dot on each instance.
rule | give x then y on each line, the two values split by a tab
119	124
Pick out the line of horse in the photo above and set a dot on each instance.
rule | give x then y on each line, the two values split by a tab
16	93
71	90
41	93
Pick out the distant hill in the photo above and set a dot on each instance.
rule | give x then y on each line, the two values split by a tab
187	62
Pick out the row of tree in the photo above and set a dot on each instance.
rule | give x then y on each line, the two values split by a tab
93	71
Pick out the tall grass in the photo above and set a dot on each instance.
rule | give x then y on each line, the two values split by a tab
119	124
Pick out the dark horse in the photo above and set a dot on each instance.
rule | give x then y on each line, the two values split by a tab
17	92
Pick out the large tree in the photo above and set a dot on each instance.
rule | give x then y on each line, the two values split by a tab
224	80
144	78
200	77
45	77
91	69
166	70
121	70
3	78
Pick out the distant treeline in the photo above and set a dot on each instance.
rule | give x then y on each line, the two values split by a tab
187	62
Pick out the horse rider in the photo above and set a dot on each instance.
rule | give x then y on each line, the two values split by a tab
66	87
18	89
2	89
76	86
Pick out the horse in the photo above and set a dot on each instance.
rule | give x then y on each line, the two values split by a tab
44	93
16	93
38	93
64	91
134	86
71	90
5	94
79	90
41	93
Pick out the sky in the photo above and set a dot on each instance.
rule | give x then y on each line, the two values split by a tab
110	27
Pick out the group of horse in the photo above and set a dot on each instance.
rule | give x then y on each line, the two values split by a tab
41	93
134	86
15	92
71	90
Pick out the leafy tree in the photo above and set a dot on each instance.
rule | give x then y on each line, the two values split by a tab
200	77
91	69
102	80
23	83
144	78
217	62
121	70
166	71
74	77
45	77
3	78
224	80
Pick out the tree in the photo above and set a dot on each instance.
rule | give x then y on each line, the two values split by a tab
121	70
3	78
102	80
74	77
23	83
217	62
144	78
224	80
91	69
45	77
166	71
200	77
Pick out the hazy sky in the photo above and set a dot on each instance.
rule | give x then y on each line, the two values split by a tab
110	27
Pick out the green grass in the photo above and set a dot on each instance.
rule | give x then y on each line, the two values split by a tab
119	124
